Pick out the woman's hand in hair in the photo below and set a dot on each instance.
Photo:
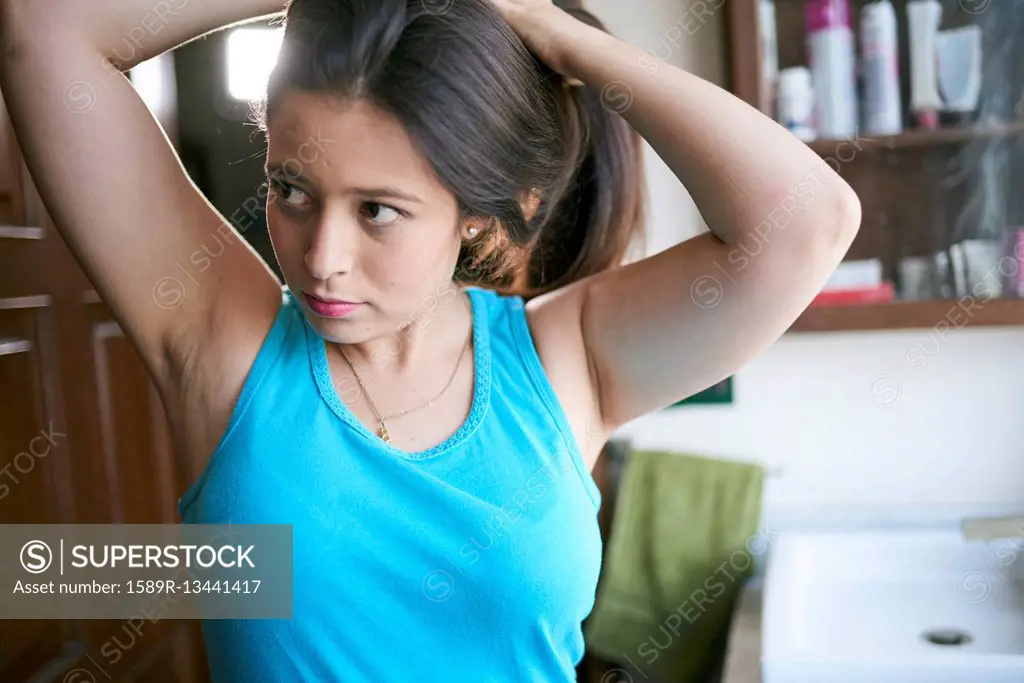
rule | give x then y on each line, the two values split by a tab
545	28
645	335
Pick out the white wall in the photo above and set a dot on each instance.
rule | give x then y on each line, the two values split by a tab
878	419
882	421
674	33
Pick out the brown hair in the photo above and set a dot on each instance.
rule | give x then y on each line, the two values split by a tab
494	122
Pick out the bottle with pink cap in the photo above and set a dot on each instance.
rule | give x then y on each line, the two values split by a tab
832	59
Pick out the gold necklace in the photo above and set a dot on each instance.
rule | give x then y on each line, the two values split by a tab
382	428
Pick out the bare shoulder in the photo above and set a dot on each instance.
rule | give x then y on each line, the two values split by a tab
555	321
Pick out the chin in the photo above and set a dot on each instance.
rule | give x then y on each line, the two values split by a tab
338	331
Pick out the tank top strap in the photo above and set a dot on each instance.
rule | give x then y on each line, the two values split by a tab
513	349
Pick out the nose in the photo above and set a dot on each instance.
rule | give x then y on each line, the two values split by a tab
332	247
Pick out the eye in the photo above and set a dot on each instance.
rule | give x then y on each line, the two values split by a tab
382	214
292	196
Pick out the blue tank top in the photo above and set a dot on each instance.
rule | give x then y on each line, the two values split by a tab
475	560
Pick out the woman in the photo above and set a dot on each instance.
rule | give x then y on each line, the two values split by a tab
455	339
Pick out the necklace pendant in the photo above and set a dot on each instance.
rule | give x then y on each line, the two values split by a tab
385	437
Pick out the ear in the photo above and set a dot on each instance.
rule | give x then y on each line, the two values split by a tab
474	227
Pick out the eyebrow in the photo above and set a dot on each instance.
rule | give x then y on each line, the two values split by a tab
386	193
373	193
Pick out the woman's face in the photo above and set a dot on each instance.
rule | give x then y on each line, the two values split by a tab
355	214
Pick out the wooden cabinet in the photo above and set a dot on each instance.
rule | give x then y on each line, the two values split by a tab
83	439
940	206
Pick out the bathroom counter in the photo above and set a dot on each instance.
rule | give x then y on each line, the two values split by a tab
743	652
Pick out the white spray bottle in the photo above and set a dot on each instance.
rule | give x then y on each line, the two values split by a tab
883	113
831	51
923	17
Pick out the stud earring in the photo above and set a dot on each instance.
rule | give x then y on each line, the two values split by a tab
472	231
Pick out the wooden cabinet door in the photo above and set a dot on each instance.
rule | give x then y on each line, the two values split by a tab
83	439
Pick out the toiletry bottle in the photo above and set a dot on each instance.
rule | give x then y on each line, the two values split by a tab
880	70
923	18
796	102
832	58
769	56
959	72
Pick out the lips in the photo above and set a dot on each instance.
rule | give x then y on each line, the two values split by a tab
329	308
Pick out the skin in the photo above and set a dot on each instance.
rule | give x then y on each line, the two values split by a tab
339	234
615	346
334	239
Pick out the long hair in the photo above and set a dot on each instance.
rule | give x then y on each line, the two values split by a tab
497	126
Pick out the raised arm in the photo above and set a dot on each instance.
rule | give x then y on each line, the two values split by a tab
112	182
780	221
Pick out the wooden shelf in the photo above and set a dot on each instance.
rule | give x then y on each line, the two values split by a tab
919	138
941	313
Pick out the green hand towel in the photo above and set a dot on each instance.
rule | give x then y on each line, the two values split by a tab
682	543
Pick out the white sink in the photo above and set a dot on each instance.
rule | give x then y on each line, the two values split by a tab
857	607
